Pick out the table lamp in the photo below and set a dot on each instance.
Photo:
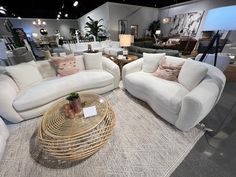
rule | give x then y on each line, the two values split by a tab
125	41
217	19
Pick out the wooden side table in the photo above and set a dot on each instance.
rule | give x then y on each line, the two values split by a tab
230	72
122	62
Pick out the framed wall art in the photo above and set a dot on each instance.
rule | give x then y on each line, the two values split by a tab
134	30
122	27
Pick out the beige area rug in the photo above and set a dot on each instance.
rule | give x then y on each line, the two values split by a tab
142	144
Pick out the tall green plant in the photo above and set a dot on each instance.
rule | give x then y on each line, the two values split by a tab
155	25
94	27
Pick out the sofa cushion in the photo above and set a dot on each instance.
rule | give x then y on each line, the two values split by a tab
50	90
114	44
147	50
93	60
192	74
24	74
81	46
166	93
46	68
169	52
151	61
80	62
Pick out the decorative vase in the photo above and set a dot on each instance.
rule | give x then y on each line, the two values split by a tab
76	105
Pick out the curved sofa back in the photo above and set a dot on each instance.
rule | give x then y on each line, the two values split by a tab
214	74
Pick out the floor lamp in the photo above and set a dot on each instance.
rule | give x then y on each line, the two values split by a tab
217	19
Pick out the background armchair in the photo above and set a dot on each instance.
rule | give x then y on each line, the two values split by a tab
21	55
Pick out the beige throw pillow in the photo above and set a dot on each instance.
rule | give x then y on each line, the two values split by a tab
24	74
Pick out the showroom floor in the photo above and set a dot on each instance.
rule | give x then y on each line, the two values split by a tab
214	155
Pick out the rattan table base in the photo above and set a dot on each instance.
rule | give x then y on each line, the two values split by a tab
78	146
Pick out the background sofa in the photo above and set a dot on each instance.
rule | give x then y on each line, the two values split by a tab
178	105
138	51
107	47
17	105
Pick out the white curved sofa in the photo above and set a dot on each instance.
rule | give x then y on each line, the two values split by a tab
108	47
171	100
18	105
4	134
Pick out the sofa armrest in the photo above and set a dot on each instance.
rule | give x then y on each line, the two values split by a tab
197	104
112	68
132	67
4	132
8	93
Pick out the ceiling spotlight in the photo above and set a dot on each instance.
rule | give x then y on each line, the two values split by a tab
60	13
66	15
75	4
34	22
19	18
44	23
2	12
58	16
2	8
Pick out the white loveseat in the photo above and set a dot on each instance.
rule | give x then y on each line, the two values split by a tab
172	101
17	105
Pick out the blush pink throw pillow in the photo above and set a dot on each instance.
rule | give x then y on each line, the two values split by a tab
65	65
168	71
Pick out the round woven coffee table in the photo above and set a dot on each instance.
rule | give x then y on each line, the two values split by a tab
78	138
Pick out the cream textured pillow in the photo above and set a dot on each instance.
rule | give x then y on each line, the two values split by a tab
24	74
151	61
93	60
80	62
191	74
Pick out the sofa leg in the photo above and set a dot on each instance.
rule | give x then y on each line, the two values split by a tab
204	128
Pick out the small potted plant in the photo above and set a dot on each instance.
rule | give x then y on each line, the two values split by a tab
74	102
73	107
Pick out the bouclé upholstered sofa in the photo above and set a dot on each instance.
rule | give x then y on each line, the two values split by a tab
181	105
20	104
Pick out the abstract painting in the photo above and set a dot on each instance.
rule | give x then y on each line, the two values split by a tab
186	24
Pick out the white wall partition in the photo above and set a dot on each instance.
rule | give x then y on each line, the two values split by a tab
113	12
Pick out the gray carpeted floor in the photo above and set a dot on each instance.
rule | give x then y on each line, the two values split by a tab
142	144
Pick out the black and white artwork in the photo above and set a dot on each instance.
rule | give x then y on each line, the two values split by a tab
123	26
186	24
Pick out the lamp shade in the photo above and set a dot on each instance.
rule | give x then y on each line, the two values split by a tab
223	18
125	40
